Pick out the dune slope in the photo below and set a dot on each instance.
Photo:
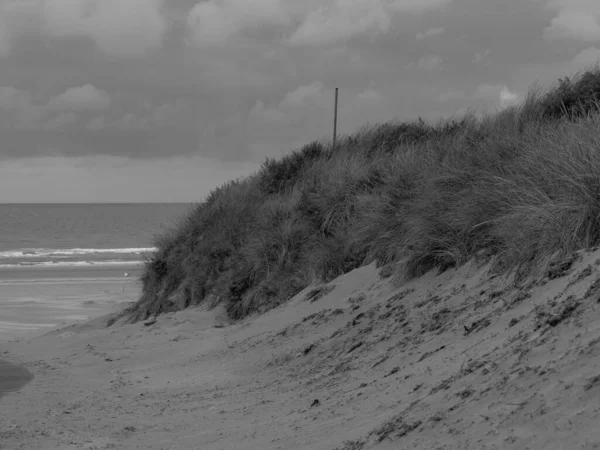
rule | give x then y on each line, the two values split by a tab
461	359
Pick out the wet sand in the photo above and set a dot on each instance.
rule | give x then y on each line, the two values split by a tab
62	274
13	378
33	301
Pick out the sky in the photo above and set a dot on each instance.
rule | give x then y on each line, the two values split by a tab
164	100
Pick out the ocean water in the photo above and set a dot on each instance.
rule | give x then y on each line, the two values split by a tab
51	235
61	264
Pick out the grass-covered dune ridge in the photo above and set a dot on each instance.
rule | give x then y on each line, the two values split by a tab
517	186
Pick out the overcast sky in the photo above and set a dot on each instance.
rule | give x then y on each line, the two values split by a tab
162	100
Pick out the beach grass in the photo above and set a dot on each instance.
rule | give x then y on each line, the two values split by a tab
518	185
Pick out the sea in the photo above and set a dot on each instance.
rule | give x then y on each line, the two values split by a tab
68	235
63	263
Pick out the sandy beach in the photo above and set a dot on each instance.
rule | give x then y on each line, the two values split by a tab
34	300
449	361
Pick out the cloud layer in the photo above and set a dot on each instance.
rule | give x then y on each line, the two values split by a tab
576	19
146	82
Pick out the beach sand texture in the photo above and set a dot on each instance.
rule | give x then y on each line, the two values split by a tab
31	305
35	301
450	361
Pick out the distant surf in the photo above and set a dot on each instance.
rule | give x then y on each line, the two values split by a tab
54	252
72	257
66	262
22	265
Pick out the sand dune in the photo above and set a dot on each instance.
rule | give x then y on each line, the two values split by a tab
451	361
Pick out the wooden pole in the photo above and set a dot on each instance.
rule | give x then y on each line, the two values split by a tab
335	118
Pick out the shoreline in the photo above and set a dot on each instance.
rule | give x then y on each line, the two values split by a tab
37	301
71	273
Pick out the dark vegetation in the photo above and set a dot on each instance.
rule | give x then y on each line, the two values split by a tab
518	185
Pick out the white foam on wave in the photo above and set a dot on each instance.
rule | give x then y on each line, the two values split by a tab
40	252
22	265
67	281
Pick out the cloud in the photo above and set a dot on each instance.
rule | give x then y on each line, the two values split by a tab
357	108
499	93
547	75
11	98
450	95
96	124
479	56
588	57
175	114
313	104
416	6
306	102
16	18
428	62
266	114
170	113
509	98
303	95
289	123
489	90
5	38
130	122
369	96
59	122
125	28
84	98
341	20
310	22
430	33
310	107
575	19
215	21
18	110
